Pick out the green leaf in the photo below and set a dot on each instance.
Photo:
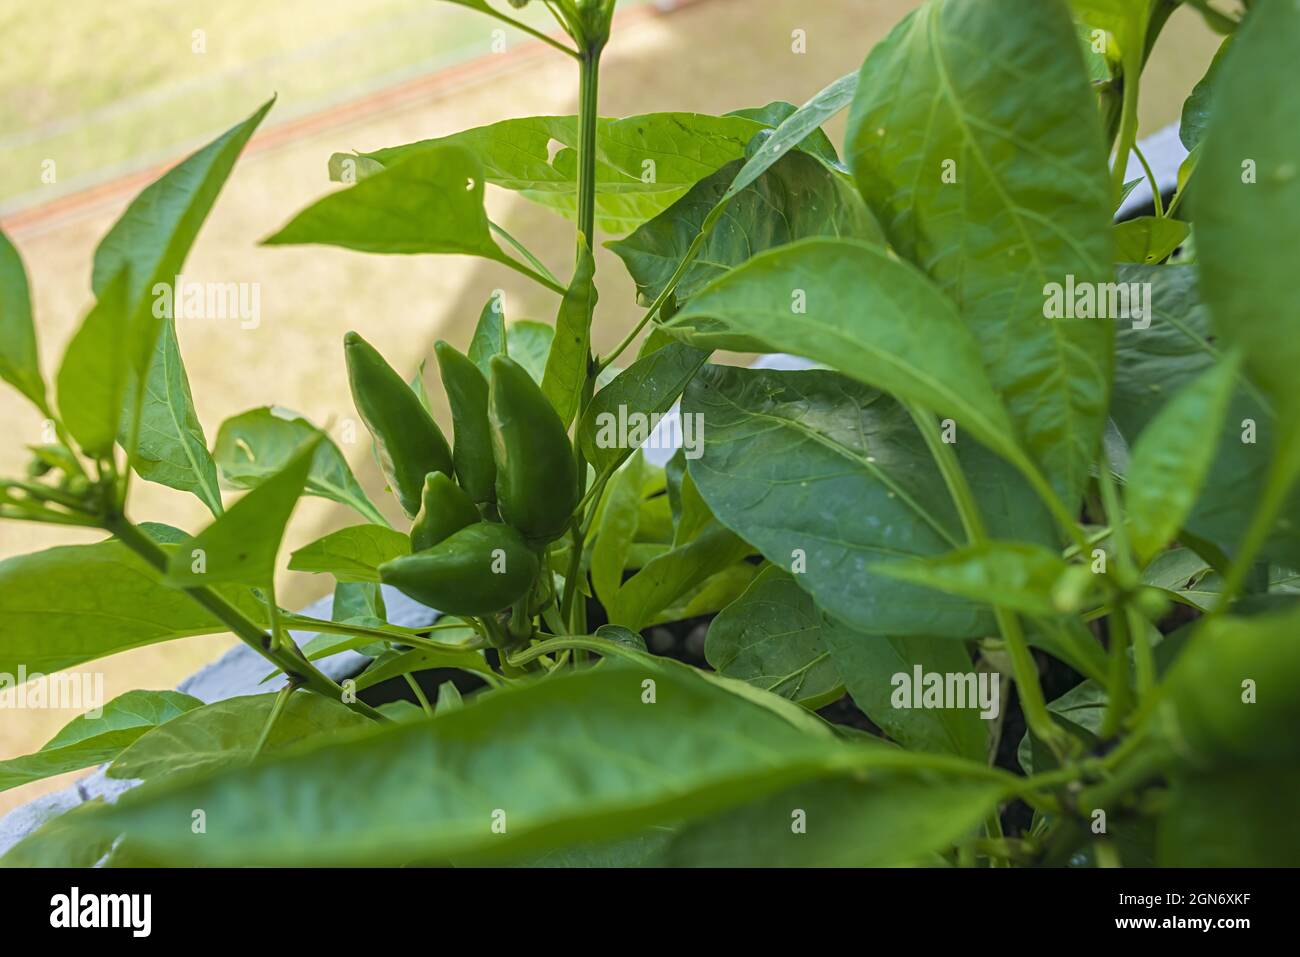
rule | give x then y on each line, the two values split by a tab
1208	714
225	734
92	739
516	155
1196	108
648	386
75	603
1236	818
889	820
489	336
771	637
170	446
669	576
1019	576
429	202
797	128
154	235
431	790
93	376
258	443
617	529
1148	239
352	554
19	364
1172	458
1156	362
852	306
1247	204
529	343
566	362
242	544
868	665
948	93
796	198
395	664
827	476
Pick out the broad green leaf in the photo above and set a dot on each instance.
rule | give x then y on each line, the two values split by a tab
566	362
815	141
258	443
1173	456
352	554
152	238
1148	239
75	603
225	734
92	739
796	198
891	819
394	664
242	544
449	698
429	202
19	364
617	529
1243	817
852	306
1196	108
666	578
649	386
771	637
827	477
715	593
600	764
643	163
1020	576
996	185
1156	361
529	343
1233	686
1247	203
93	376
489	336
170	446
869	664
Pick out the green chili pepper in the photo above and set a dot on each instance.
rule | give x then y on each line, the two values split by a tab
478	570
537	477
444	509
467	392
409	443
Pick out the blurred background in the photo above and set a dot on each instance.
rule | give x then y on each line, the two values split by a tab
98	99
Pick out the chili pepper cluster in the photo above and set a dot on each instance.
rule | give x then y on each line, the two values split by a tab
484	508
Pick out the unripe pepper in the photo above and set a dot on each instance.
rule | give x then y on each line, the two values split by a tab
467	392
409	443
444	510
537	477
478	570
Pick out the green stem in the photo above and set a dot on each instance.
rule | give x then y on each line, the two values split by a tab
1024	670
277	708
532	274
419	694
1128	126
1151	178
525	28
524	251
296	668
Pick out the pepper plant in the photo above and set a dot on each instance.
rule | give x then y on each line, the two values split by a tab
1003	578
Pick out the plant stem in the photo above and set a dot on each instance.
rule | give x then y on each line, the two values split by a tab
537	34
296	668
419	694
1023	667
277	708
